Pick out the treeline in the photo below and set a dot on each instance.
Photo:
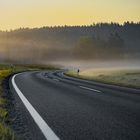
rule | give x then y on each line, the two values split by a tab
96	48
97	41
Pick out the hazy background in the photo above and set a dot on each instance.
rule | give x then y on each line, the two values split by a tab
70	32
100	42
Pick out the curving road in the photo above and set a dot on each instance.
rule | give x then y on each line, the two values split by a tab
61	107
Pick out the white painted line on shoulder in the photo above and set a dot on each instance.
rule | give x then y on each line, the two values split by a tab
46	130
90	89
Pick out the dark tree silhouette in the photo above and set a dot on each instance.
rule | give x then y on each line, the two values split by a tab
101	40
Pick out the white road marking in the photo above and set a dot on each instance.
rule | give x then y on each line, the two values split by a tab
46	130
56	80
90	89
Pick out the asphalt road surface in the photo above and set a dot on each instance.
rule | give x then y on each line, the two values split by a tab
61	107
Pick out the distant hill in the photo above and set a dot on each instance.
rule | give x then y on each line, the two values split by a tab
97	41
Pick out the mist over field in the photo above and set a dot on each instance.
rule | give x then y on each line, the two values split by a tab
96	65
97	45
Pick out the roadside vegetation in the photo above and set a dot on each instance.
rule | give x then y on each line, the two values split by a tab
6	70
121	77
5	132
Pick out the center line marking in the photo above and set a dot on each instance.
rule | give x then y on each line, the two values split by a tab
90	89
45	129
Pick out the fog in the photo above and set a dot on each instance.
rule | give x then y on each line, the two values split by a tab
116	65
98	46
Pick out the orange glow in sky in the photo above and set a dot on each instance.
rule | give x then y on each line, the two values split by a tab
37	13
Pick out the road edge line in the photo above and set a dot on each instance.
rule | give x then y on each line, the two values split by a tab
45	129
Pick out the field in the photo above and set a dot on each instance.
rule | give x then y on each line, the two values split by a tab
121	77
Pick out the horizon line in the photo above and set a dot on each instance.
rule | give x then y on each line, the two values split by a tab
66	25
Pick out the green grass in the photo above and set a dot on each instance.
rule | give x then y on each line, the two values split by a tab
5	73
6	133
3	114
2	101
121	77
5	70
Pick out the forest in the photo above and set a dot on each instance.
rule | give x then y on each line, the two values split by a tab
101	41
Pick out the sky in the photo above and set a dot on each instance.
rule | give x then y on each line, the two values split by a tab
37	13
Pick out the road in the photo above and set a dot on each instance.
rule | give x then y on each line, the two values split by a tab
61	107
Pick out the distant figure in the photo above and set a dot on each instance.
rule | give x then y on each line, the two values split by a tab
78	71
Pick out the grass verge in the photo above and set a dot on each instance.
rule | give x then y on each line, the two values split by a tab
6	70
121	77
